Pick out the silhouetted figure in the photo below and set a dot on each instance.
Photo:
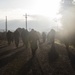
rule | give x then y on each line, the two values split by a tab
12	37
16	37
44	36
25	37
33	41
48	37
51	36
53	54
9	37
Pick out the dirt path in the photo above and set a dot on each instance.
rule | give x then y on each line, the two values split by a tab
61	64
8	53
22	62
10	56
32	67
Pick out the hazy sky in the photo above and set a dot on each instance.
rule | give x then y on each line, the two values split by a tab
15	9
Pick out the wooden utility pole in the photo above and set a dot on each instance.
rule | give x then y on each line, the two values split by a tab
6	24
26	20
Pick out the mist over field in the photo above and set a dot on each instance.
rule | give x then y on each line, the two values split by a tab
38	24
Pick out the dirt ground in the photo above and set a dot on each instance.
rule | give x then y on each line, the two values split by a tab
47	60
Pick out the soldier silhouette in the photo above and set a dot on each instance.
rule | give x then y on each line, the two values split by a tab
44	36
9	37
33	41
51	36
16	37
25	37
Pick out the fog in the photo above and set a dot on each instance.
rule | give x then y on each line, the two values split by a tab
40	24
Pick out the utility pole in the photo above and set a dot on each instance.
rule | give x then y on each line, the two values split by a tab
26	20
6	24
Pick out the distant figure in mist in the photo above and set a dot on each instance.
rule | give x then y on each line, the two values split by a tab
16	37
51	36
44	36
12	37
33	41
53	54
25	37
9	37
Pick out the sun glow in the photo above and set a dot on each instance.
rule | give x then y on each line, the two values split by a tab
43	13
47	8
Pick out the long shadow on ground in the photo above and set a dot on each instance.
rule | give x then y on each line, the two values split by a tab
53	54
3	46
10	58
71	56
33	65
9	51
